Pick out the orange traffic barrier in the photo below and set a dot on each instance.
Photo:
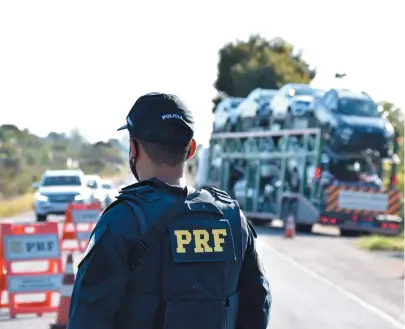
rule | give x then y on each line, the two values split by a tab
65	295
289	229
25	247
79	222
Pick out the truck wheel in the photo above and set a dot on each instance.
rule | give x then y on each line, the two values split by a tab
348	233
304	228
41	218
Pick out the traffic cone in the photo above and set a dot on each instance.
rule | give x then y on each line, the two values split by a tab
289	229
65	295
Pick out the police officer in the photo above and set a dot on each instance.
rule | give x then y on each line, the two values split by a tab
164	255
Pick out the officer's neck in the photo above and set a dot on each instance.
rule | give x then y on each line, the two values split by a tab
170	175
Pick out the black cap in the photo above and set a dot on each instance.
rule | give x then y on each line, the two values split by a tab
160	118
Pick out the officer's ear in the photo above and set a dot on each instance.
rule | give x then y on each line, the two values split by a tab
133	149
192	149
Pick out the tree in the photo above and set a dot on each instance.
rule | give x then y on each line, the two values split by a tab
24	157
76	137
259	63
396	116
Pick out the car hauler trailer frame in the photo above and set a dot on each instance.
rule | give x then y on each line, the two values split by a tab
286	172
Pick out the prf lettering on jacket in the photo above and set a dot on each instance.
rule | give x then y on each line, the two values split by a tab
205	241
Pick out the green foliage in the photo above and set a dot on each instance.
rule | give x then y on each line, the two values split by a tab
259	63
24	157
396	117
382	243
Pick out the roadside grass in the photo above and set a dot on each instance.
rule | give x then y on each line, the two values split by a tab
376	242
16	206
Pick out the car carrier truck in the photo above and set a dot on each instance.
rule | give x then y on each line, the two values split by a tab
274	174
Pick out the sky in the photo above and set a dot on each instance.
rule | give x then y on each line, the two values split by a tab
82	64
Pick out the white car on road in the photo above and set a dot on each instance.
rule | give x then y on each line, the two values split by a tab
56	189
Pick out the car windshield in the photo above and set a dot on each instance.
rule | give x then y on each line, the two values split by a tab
107	186
265	99
235	103
357	107
303	91
62	181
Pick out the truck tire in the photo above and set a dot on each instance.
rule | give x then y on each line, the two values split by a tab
303	228
348	233
41	218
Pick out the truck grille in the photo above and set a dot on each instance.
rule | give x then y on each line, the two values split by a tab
368	139
302	103
61	197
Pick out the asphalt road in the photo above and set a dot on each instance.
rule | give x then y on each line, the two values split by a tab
317	280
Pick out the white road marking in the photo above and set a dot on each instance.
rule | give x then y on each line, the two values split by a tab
342	290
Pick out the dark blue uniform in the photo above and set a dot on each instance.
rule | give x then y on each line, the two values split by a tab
205	273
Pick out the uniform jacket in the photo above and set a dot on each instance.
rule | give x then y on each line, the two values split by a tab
205	273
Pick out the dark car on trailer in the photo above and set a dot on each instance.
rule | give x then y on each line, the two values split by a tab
351	121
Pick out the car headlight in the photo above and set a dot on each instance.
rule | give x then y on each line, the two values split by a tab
346	133
41	197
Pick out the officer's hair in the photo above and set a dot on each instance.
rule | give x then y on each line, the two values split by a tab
162	154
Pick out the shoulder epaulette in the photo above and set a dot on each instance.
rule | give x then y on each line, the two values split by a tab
144	190
219	194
